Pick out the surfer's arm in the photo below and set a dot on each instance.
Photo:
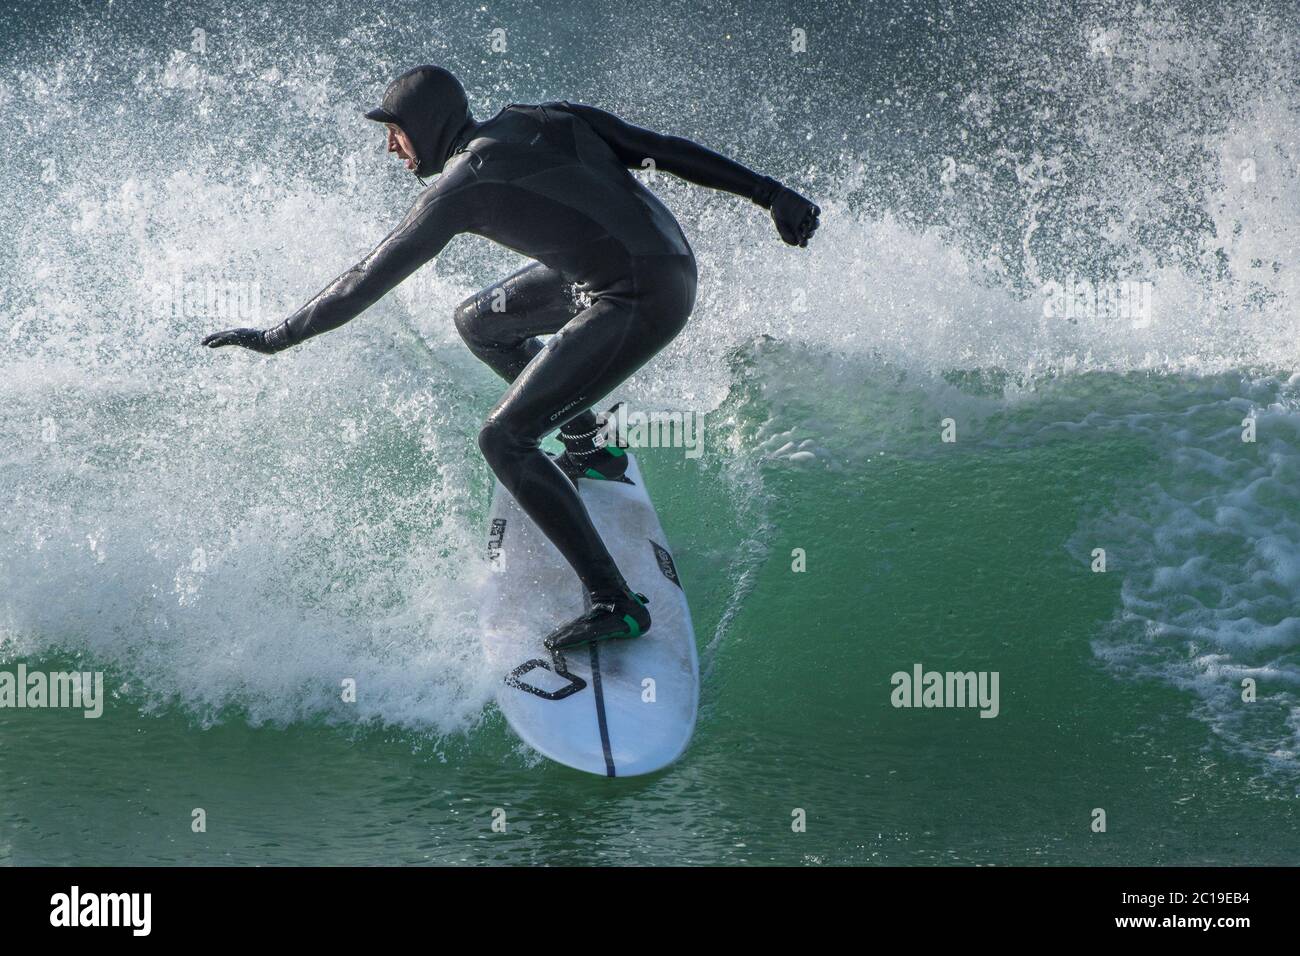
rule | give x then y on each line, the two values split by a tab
633	145
795	216
425	231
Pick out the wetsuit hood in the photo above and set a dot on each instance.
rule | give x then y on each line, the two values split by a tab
430	106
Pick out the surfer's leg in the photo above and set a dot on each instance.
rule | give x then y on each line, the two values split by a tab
594	353
501	323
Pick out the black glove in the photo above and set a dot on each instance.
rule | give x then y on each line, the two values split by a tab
254	339
795	217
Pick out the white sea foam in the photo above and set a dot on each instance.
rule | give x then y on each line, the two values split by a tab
1209	554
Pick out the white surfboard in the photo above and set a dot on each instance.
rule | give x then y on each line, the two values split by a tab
615	708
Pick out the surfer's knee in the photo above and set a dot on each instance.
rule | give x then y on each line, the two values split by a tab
469	321
494	441
500	442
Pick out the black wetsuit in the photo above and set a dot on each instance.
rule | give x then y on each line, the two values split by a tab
551	182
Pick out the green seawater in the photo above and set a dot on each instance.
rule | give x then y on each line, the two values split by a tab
950	556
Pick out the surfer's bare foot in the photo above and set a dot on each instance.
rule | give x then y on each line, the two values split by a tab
611	617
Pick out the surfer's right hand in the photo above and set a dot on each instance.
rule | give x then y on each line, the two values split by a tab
795	217
254	339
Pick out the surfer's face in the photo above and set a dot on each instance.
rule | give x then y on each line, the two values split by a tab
399	143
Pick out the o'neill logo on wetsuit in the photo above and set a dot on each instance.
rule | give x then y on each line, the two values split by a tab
576	401
666	563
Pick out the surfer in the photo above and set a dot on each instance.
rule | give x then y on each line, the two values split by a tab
612	283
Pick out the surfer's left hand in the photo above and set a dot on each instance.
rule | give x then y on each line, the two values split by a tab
254	339
796	218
